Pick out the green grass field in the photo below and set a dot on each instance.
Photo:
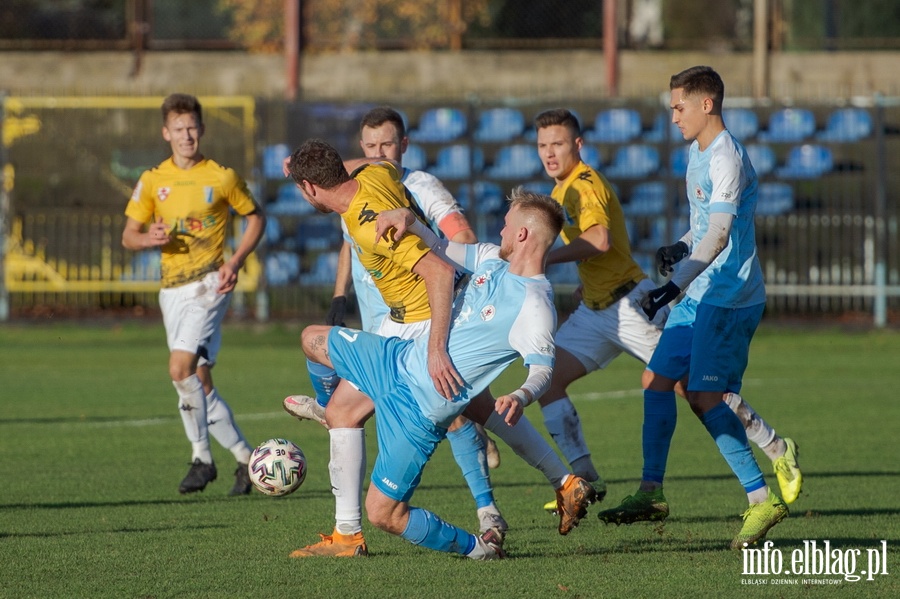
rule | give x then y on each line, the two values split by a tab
93	450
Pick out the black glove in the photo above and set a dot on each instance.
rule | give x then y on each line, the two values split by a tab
669	255
336	314
658	298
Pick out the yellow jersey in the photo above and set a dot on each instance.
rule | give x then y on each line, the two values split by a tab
587	200
389	265
194	205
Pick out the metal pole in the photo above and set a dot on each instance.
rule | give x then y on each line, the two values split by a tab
760	49
291	48
5	187
880	301
611	47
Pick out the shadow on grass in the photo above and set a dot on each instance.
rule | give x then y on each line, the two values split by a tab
126	530
305	495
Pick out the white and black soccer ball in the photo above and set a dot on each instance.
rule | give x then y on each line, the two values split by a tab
277	467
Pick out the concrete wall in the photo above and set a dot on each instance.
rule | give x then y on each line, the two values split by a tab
439	75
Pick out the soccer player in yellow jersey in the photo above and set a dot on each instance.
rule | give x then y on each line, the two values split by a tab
181	207
608	320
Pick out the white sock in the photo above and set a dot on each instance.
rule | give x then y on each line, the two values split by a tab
222	427
759	495
758	430
348	468
563	424
192	407
529	445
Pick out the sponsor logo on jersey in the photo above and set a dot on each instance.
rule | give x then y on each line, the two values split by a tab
390	484
163	192
366	215
208	194
488	312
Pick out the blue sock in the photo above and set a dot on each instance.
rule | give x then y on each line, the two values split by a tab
468	449
728	432
426	529
324	380
660	416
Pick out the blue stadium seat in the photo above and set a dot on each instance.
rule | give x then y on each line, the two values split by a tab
518	161
282	268
273	157
762	157
647	199
742	122
591	157
414	158
808	161
563	273
499	125
633	162
774	199
615	125
789	125
657	133
846	125
457	162
544	187
323	270
289	201
318	232
678	160
439	125
273	230
488	197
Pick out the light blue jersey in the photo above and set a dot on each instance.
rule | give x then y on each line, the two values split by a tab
497	317
435	203
722	179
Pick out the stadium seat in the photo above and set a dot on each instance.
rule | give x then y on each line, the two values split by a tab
678	160
647	199
544	187
414	158
518	161
846	125
789	125
281	268
774	199
488	197
499	125
657	133
439	125
762	157
289	201
615	125
273	158
323	270
457	162
318	232
742	122
633	162
806	162
591	157
273	230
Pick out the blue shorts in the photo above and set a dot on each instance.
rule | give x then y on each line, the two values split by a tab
709	344
406	439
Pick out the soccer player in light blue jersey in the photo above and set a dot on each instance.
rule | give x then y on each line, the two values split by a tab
505	311
707	336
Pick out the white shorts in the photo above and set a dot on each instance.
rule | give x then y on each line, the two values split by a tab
193	315
596	337
410	330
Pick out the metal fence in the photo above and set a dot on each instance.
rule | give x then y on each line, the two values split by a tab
827	220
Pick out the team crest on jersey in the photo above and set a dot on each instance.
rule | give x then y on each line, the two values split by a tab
163	192
488	312
208	194
698	193
481	279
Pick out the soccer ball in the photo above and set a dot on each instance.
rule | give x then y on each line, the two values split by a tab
277	467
